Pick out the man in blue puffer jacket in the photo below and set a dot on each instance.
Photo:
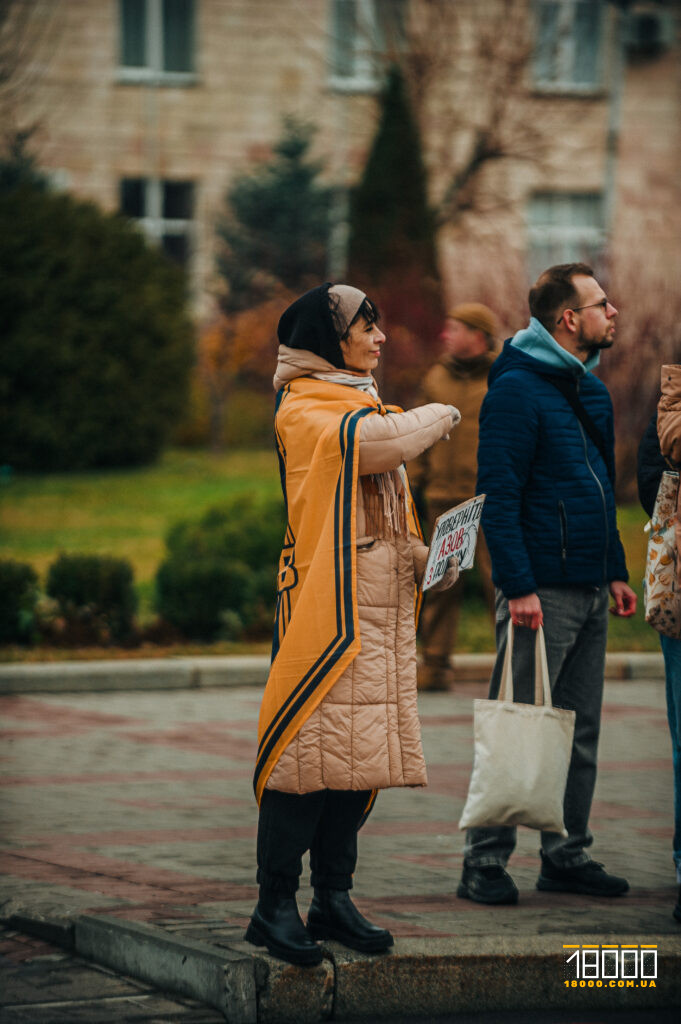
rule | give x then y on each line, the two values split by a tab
546	463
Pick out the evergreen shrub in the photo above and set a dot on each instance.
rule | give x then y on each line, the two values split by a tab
18	598
274	231
95	592
219	576
97	344
205	597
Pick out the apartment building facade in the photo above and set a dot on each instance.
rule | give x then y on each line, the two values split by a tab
550	127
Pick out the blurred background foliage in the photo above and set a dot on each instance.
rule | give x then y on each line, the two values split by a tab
392	251
97	341
160	423
134	513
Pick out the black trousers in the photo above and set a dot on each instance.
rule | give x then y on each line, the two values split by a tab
325	823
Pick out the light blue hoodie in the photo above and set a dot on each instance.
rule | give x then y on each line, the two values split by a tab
536	341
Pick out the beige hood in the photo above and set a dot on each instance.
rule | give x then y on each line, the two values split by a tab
298	362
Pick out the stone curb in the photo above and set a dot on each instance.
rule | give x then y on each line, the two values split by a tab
219	978
134	674
425	976
233	670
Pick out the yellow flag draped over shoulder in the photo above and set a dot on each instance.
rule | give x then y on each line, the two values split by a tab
317	426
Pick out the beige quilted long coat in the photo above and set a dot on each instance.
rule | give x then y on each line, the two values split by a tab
365	734
669	432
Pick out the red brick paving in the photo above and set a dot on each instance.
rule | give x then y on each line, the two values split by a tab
35	710
123	778
78	827
17	949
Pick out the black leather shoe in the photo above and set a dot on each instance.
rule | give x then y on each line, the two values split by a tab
591	879
489	883
277	924
333	915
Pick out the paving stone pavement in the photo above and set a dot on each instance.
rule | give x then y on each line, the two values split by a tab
140	806
41	984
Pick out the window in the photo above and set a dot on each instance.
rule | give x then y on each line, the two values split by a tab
568	44
564	227
157	41
164	210
362	33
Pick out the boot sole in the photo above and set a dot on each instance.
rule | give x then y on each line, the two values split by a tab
506	900
320	933
258	938
554	885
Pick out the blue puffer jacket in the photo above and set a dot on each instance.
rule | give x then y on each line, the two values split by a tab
549	517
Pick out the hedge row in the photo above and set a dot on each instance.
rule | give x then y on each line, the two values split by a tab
218	579
92	595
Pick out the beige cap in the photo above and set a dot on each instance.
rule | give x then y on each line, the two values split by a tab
345	302
474	314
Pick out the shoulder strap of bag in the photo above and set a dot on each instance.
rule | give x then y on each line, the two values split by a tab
569	392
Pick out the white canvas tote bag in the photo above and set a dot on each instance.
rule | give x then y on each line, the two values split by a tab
521	756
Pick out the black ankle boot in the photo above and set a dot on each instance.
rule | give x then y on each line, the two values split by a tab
333	915
277	924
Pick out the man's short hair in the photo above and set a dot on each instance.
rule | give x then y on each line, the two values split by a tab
554	291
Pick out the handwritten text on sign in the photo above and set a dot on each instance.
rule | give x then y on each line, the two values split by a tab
455	533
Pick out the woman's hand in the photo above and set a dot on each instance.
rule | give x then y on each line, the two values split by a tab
450	577
456	418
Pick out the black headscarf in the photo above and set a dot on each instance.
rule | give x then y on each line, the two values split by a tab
308	324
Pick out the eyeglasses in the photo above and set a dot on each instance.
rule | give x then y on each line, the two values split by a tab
604	303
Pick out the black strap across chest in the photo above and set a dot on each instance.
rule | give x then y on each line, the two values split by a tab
568	390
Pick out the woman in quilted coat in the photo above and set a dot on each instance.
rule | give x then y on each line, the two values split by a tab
660	450
339	717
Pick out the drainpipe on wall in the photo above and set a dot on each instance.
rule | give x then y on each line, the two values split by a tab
339	214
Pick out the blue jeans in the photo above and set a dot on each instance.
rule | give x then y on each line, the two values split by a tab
671	649
575	631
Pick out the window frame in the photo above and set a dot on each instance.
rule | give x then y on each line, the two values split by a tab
591	236
566	47
153	72
154	225
366	76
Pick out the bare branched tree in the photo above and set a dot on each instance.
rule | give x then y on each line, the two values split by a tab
30	31
468	68
467	64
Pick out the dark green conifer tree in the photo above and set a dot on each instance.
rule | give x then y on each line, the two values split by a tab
275	229
392	250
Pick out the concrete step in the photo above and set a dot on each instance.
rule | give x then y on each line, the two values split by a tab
420	976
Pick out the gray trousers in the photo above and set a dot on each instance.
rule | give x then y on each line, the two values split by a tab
575	630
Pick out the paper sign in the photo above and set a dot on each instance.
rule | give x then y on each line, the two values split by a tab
455	533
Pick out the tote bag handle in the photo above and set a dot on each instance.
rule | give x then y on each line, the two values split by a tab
542	686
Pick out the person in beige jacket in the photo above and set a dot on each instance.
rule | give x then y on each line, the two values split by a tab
339	716
445	474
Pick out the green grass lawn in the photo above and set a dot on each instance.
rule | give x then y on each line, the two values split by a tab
125	513
128	512
633	634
